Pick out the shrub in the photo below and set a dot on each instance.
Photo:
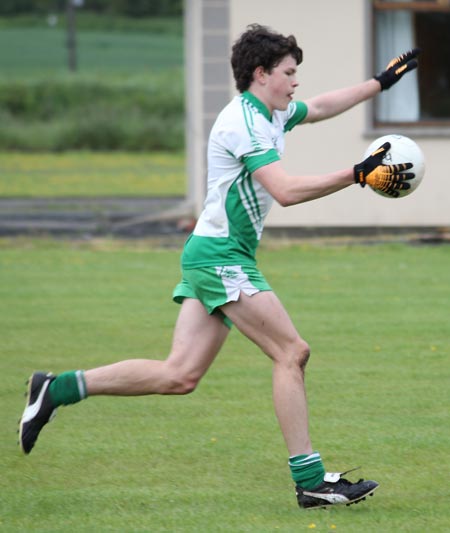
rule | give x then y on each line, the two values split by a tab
78	112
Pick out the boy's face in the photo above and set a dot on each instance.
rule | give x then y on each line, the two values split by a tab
281	84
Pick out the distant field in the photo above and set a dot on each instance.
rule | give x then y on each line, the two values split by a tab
35	51
86	174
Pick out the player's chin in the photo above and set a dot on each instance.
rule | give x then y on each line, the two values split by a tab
282	106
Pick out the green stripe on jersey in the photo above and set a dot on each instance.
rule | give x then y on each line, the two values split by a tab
301	110
244	226
253	162
244	215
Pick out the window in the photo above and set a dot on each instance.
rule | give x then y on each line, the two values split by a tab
423	96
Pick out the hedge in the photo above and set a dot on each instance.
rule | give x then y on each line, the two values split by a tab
72	113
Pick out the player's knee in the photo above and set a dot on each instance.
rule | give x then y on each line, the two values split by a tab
296	355
181	383
299	354
303	353
188	385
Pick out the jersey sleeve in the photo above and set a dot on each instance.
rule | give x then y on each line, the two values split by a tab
254	161
297	112
251	145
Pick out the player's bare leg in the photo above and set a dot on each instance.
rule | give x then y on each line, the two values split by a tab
263	319
197	340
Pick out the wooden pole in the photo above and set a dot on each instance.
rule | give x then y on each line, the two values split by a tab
71	36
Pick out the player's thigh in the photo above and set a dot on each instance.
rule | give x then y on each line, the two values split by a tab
264	320
197	338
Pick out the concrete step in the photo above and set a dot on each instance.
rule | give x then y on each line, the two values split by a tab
94	216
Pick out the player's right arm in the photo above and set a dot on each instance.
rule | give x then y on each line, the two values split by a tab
291	190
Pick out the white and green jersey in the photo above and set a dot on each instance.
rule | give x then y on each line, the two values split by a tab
244	138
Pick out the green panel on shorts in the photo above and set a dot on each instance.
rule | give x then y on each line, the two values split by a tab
207	284
184	290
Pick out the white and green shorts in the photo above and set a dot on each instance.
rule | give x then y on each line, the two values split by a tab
216	286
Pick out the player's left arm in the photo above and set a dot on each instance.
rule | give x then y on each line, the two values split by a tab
333	103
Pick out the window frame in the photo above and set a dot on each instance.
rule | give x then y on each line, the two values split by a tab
437	128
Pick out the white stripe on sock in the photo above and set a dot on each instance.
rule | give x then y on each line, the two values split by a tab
81	384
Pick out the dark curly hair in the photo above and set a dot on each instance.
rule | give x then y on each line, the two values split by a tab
259	46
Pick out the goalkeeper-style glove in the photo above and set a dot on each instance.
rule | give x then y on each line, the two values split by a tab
386	178
397	67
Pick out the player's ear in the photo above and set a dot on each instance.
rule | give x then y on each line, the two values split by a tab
259	75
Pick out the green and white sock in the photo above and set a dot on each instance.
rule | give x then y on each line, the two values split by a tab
67	388
307	470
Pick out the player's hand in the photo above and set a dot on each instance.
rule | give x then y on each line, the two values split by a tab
397	68
375	159
386	178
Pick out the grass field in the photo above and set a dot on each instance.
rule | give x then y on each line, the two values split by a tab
90	174
26	52
377	319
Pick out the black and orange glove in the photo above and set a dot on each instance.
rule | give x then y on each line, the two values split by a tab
397	67
386	178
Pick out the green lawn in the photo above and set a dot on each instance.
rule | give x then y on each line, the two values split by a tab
91	174
377	319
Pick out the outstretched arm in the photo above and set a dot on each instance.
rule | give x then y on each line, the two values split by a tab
333	103
291	190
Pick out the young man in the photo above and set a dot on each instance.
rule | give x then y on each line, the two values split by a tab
221	283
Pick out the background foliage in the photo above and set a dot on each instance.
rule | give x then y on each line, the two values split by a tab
89	112
127	93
